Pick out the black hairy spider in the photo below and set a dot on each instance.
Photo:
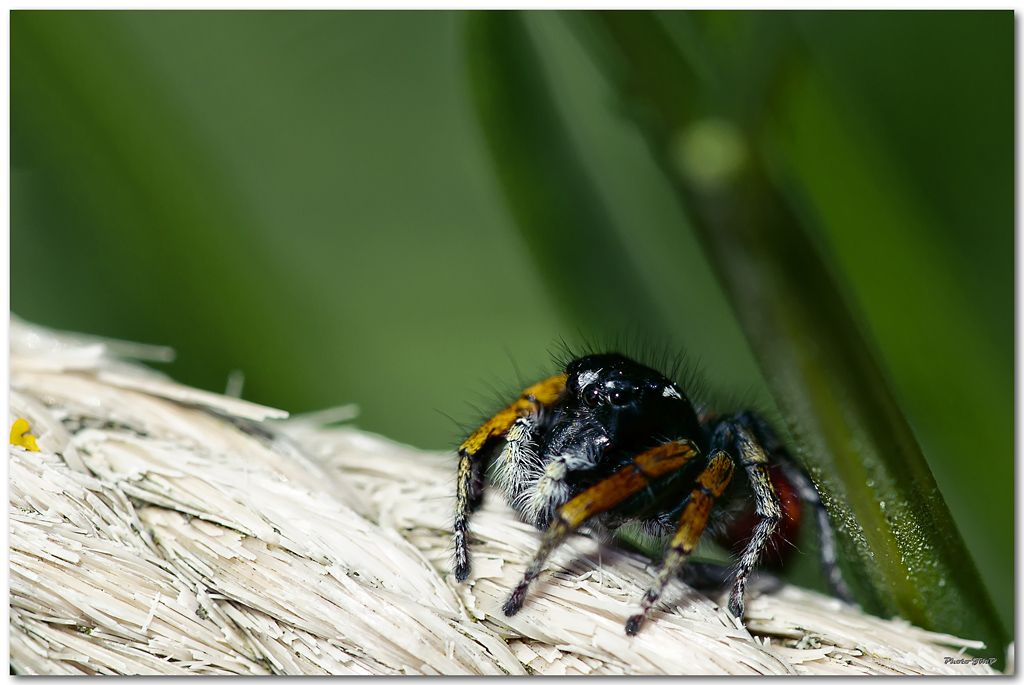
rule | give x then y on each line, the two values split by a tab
611	441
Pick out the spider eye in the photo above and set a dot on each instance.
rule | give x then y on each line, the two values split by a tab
619	398
592	396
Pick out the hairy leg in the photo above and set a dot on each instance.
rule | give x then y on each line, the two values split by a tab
710	485
599	498
737	439
518	457
469	477
807	493
826	536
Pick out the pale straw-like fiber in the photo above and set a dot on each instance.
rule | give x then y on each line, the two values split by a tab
162	529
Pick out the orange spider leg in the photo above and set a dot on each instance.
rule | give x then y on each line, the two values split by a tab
599	498
469	479
710	485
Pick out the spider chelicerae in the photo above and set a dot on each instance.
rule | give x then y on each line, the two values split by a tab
610	441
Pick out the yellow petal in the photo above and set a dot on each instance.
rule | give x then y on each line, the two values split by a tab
21	437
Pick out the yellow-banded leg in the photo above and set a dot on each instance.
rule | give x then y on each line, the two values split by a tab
710	485
808	493
469	480
752	458
599	498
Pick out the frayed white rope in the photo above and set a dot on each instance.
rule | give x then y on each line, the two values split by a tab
165	530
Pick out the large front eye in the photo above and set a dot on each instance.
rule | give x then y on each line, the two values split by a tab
592	396
620	397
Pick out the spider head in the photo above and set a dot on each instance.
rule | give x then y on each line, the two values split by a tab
632	404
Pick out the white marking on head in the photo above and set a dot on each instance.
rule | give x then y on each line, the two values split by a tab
588	377
670	391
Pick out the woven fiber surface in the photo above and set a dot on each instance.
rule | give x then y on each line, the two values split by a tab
165	530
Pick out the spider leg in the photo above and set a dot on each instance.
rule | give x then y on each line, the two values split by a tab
826	536
710	485
808	493
599	498
517	456
469	477
735	437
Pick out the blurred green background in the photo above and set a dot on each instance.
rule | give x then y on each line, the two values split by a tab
308	197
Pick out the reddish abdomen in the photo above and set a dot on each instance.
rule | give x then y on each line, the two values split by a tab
783	541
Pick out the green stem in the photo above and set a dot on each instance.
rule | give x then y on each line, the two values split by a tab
899	541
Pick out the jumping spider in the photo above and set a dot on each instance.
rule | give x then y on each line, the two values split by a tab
611	441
